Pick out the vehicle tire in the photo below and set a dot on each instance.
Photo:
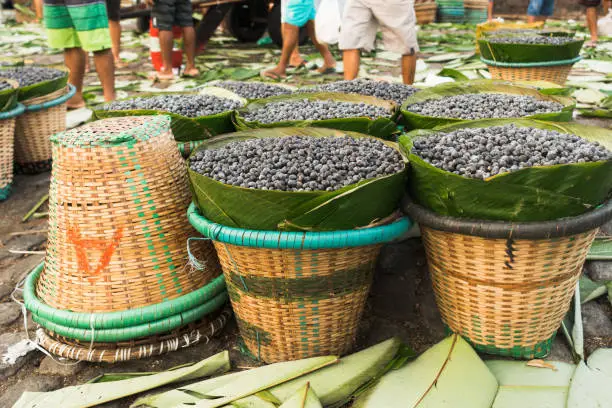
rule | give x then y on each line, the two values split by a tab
274	27
142	24
241	24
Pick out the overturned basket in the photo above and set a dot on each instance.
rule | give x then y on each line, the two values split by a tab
297	294
7	134
506	286
551	71
44	116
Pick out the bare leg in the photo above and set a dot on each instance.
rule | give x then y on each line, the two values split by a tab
75	61
189	44
166	41
351	59
408	68
105	67
290	41
591	20
328	58
531	19
296	59
38	6
115	33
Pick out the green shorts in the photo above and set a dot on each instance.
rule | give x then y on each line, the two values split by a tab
77	23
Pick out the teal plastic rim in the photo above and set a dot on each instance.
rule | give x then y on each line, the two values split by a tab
297	240
120	319
54	102
16	111
530	64
135	332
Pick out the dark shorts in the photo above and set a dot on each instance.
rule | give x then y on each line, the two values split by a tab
590	3
168	13
113	8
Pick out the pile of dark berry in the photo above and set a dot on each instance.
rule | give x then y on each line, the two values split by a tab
298	163
389	91
5	85
187	105
29	75
484	152
310	109
484	106
531	39
253	90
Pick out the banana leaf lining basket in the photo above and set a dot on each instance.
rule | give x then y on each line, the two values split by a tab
506	286
297	294
44	116
7	135
551	71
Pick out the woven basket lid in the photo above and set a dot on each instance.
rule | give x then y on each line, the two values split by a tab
117	224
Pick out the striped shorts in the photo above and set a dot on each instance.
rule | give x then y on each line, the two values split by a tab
77	23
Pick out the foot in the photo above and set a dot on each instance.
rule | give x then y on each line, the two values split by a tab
327	69
191	72
119	64
165	75
591	44
76	102
296	60
276	74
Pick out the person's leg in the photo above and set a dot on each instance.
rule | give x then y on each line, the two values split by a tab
591	21
163	17
166	42
296	59
189	44
115	33
290	35
105	67
328	59
351	60
409	68
74	59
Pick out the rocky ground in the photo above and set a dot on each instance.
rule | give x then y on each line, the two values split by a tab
401	301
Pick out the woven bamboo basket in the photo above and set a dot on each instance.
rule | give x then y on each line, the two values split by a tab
425	12
44	116
297	294
7	134
200	332
554	71
504	286
117	230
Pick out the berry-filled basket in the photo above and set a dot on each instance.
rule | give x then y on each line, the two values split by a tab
482	99
508	210
7	136
297	294
348	112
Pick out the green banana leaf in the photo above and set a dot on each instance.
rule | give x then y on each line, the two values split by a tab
590	386
384	128
521	385
347	208
303	398
416	121
528	52
450	374
601	250
42	88
93	394
8	97
531	194
184	129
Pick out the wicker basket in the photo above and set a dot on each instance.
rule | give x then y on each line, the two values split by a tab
425	13
117	230
295	294
7	134
506	287
554	71
196	333
44	116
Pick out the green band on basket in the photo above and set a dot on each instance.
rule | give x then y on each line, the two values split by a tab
16	111
5	192
530	64
253	333
135	332
538	350
54	102
316	287
121	319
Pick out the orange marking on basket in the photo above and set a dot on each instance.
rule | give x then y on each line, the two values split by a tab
107	246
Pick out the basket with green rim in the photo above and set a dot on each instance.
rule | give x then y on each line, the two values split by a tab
7	134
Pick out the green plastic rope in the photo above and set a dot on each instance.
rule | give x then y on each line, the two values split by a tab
121	319
530	64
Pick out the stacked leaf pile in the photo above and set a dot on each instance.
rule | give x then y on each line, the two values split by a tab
194	116
512	170
35	81
390	91
301	178
471	100
364	114
530	47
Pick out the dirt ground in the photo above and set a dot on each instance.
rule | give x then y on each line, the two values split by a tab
401	301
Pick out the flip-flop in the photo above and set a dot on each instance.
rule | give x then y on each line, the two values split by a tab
271	75
162	77
328	70
300	65
75	107
192	75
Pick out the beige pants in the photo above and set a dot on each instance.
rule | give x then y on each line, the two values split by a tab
361	19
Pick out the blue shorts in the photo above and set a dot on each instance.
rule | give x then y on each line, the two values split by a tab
541	8
297	12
